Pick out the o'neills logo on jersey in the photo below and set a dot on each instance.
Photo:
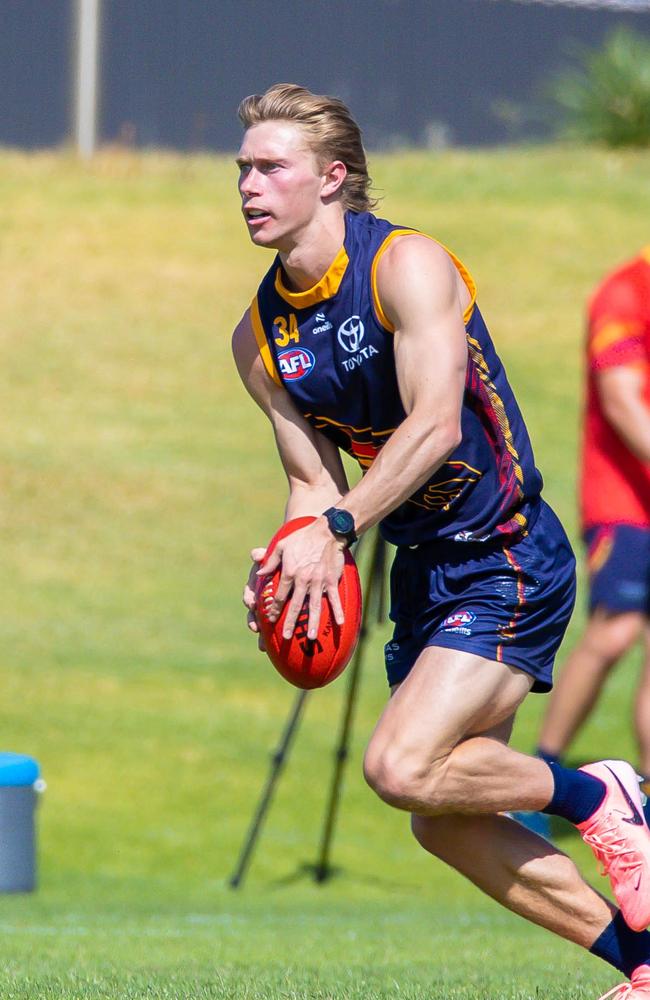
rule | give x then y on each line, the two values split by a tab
350	334
296	363
322	324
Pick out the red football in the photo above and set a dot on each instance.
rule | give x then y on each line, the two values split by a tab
311	663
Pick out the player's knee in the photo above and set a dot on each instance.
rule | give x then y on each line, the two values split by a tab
402	780
378	774
613	635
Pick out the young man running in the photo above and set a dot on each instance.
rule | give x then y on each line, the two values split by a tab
367	337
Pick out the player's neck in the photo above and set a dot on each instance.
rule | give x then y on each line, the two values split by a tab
313	251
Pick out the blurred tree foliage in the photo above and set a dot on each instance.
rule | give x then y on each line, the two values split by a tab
607	98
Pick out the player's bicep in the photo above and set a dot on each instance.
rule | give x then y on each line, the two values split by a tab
420	292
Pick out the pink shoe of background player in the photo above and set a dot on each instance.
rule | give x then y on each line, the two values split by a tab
619	837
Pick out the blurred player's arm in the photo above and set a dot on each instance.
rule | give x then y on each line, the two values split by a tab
621	391
312	464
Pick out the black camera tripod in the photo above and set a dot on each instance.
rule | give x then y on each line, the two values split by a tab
374	611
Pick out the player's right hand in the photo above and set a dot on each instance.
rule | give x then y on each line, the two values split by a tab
248	597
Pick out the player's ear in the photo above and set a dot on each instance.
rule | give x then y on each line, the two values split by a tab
334	174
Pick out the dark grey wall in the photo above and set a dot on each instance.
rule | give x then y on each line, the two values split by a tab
35	81
174	70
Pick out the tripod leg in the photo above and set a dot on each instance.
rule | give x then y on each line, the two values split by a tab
373	596
277	761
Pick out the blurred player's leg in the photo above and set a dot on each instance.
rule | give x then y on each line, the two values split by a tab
606	639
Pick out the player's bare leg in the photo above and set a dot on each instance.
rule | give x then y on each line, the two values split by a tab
436	751
517	868
424	756
642	711
606	639
520	870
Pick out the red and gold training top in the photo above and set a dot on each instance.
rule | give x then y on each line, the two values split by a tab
615	487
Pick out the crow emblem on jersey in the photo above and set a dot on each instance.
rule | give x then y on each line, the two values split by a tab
296	363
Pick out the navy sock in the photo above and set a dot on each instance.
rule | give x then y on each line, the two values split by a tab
576	795
548	758
623	948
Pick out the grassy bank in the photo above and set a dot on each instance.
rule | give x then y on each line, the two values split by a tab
137	474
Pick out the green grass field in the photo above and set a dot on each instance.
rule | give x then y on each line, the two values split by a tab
136	476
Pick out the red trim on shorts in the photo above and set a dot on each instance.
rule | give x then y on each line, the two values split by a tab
509	631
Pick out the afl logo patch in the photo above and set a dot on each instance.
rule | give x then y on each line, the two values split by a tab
296	363
459	619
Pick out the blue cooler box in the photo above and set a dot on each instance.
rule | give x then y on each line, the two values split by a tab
20	784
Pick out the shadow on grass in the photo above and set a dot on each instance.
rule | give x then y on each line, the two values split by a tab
309	872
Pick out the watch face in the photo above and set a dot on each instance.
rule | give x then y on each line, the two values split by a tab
342	522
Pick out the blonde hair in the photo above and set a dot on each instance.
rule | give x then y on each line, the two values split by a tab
332	132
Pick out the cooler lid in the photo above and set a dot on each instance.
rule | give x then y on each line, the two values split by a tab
17	769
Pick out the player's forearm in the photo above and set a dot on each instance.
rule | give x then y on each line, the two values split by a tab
411	456
305	500
631	421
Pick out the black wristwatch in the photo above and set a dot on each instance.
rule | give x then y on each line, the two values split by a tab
341	524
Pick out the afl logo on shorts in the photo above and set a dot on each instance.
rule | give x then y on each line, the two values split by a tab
459	619
296	363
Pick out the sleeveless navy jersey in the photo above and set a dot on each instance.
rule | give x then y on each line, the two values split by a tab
331	347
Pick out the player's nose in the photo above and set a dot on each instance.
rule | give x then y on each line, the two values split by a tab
249	184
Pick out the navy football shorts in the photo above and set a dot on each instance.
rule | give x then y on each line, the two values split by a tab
506	603
618	559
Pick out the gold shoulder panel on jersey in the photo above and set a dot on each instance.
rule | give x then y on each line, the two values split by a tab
458	264
262	343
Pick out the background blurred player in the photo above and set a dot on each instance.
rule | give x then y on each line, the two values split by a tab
366	337
615	508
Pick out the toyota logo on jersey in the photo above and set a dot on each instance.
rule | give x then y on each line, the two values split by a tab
350	334
296	363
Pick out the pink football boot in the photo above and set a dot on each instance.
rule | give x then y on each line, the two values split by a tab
637	989
619	837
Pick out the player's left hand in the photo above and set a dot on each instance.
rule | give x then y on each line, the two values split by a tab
312	563
248	596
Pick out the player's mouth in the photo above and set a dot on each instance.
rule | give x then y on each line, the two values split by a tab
256	216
